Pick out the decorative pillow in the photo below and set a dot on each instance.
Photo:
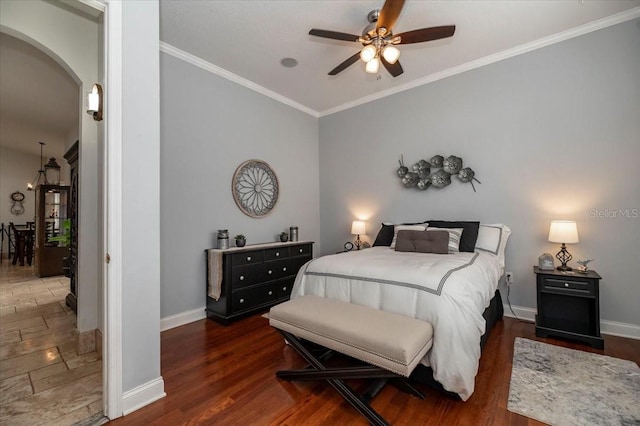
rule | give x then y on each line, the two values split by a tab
423	241
493	239
454	237
398	228
385	235
469	235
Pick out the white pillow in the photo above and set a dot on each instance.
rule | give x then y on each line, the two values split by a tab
493	239
397	228
454	237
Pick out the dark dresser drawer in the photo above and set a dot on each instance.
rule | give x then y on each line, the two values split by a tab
243	276
276	253
278	269
248	258
284	288
300	250
255	296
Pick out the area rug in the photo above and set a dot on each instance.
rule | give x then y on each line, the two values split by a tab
561	386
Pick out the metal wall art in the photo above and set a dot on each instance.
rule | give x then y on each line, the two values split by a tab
255	188
422	175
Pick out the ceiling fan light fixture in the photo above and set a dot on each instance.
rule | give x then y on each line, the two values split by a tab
391	54
368	53
372	66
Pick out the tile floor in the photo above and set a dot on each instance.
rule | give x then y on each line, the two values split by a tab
43	380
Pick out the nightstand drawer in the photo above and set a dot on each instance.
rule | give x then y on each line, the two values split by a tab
570	286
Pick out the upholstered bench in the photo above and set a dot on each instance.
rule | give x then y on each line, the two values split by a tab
391	344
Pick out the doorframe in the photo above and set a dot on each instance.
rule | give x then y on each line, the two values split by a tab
111	214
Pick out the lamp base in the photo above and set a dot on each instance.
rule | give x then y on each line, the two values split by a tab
358	243
564	256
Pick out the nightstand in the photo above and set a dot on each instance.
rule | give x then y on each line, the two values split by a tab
569	305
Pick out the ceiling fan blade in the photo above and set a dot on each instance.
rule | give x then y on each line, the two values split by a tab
346	64
394	69
389	14
426	34
335	35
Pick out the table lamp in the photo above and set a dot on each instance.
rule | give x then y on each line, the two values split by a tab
565	232
357	228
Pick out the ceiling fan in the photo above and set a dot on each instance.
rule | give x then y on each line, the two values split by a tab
379	42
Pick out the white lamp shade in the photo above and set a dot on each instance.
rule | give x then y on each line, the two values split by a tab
563	231
358	228
368	53
372	66
391	54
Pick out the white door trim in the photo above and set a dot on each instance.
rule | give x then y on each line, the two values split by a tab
112	394
112	221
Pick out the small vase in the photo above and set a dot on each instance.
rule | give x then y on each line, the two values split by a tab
241	243
284	238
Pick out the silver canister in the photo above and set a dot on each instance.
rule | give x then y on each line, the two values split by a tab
223	239
293	233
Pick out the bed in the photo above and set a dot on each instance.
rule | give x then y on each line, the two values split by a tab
451	291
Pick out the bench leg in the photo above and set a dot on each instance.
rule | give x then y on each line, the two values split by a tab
356	401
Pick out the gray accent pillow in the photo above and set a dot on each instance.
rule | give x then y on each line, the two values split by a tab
423	241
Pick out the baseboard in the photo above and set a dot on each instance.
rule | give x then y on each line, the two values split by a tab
620	329
520	312
142	395
611	328
182	319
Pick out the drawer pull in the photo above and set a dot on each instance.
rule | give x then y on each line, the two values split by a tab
270	272
300	250
284	289
284	269
248	258
277	254
566	284
270	292
241	277
241	300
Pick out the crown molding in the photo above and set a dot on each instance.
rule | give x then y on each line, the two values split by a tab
214	69
487	60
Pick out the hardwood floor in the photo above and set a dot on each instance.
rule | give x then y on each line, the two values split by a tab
225	376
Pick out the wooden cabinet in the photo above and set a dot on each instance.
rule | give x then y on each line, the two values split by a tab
71	268
255	278
569	306
52	209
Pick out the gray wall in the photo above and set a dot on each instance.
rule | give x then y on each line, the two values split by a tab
209	126
140	194
551	134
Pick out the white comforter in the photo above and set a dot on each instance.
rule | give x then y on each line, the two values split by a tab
449	291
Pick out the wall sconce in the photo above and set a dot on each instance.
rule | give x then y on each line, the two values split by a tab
563	231
358	228
94	102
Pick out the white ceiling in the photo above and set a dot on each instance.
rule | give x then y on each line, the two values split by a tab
249	39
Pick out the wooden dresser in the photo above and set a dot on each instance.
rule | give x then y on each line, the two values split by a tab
255	277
